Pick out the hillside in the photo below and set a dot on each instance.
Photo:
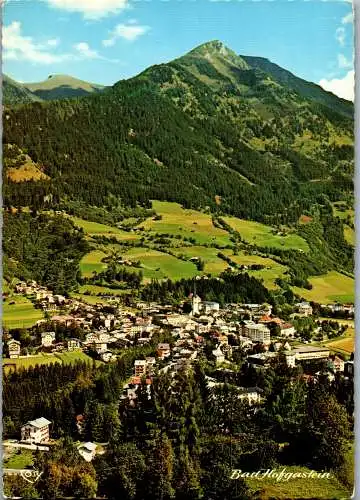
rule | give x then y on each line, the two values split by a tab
306	89
54	87
16	93
61	87
248	145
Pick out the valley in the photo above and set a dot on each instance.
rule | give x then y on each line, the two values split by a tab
178	296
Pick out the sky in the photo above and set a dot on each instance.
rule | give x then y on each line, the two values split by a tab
104	41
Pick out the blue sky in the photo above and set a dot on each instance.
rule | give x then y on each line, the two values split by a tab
104	41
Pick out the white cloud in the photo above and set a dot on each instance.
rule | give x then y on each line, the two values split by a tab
340	36
84	50
90	9
342	87
349	18
18	47
54	42
343	62
130	31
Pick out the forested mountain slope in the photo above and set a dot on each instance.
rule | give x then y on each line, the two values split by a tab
207	129
16	93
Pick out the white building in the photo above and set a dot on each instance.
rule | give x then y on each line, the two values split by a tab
287	330
195	303
73	344
47	338
218	355
256	332
14	348
210	307
107	356
87	451
304	308
36	431
306	353
252	395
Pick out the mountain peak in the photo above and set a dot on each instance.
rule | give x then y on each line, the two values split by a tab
216	51
213	47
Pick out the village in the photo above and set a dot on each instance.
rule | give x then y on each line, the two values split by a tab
104	331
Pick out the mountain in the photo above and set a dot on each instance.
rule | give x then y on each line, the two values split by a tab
205	130
306	89
54	87
16	93
61	87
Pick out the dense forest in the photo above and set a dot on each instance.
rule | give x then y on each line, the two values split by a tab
229	128
42	248
184	441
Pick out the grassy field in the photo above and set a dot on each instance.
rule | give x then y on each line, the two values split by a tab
213	264
19	459
45	359
345	344
298	487
186	223
349	235
39	359
91	262
103	290
330	287
22	314
72	357
262	235
89	299
343	213
97	229
272	271
160	265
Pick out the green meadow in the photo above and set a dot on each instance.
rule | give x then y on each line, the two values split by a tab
22	314
45	359
97	229
330	287
185	223
91	262
298	488
261	235
213	264
155	264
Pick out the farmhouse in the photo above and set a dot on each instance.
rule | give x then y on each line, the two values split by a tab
304	308
36	431
47	338
73	344
252	395
14	348
287	330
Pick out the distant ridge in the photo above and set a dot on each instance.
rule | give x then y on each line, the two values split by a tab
54	87
62	86
307	89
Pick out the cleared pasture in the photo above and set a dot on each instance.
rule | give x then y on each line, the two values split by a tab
330	287
92	262
263	236
160	265
176	220
22	314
